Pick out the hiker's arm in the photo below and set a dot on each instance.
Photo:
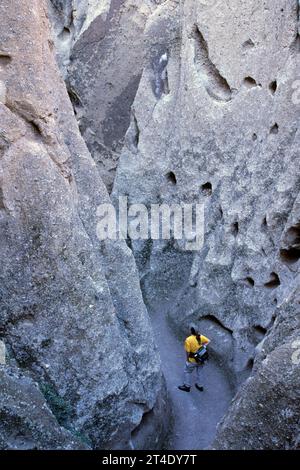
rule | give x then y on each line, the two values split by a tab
187	350
205	341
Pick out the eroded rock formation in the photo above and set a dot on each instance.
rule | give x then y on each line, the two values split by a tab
178	101
224	132
265	412
26	420
102	44
217	136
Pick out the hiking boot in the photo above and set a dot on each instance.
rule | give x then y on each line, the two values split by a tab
184	388
199	387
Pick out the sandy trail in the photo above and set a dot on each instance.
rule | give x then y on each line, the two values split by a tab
196	414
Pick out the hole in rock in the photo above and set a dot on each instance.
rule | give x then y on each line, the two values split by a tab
249	282
250	364
249	82
215	83
5	59
274	129
260	330
274	281
249	44
171	177
290	256
254	137
293	236
273	87
206	189
235	228
258	333
292	253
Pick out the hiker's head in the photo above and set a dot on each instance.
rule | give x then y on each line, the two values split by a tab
195	331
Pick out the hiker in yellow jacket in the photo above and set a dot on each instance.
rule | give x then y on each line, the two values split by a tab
191	345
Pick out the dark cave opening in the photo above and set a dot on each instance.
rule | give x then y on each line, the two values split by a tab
171	177
274	281
206	189
273	87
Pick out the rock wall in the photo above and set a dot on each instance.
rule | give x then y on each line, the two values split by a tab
217	122
265	413
178	101
101	53
27	423
223	132
72	316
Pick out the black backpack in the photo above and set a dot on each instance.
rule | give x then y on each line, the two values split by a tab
201	356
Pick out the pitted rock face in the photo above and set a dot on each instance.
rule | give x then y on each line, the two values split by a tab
265	413
227	131
101	53
177	101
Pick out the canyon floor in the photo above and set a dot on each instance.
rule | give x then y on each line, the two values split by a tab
195	414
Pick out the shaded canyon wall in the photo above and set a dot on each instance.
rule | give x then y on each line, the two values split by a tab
78	340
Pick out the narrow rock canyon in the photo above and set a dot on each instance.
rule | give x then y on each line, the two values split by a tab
168	103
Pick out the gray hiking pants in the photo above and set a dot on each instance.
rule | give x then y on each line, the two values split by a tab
188	370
